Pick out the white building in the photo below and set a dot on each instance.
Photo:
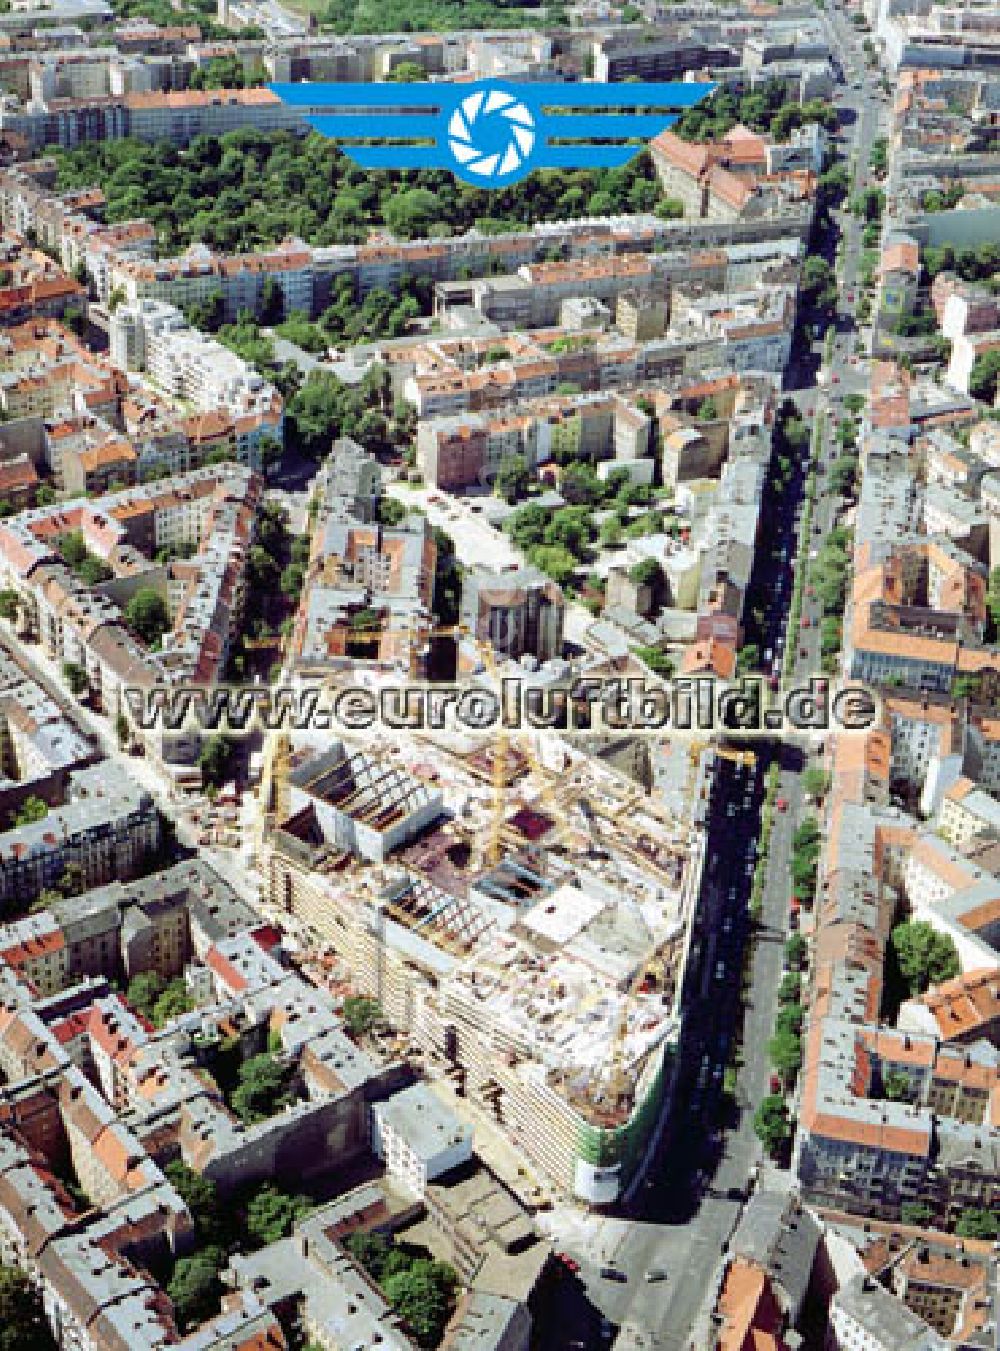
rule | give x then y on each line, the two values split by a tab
154	337
418	1137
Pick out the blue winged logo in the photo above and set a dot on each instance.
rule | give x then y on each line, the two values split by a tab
492	133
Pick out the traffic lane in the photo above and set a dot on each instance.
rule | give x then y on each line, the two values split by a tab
738	1151
700	1244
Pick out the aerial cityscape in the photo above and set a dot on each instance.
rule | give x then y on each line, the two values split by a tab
500	675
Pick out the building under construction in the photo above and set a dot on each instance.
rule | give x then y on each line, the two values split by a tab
546	986
349	802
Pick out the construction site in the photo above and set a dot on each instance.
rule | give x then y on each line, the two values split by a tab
522	914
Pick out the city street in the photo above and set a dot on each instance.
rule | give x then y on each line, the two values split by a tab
692	1199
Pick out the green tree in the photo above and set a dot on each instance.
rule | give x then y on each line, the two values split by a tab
45	900
818	282
789	1018
31	809
271	1213
896	1086
843	472
924	956
148	615
748	658
790	988
869	204
360	1014
513	478
175	1000
785	1053
423	1296
9	604
272	302
208	314
993	603
527	526
555	561
370	1250
412	211
978	1223
658	662
73	880
391	511
815	781
23	1326
247	341
670	208
292	578
795	952
571	527
407	72
916	1212
647	572
261	1090
611	533
144	989
201	1196
580	486
195	1288
985	376
75	677
770	1123
215	759
708	410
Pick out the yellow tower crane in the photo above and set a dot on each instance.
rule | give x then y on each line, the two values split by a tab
747	759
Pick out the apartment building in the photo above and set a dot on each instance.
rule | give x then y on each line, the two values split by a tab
175	116
106	828
154	337
623	56
367	596
967	811
865	1317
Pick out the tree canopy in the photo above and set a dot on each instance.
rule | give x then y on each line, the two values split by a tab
764	108
925	957
984	377
251	188
23	1326
148	615
360	1014
421	1290
261	1090
271	1213
770	1123
33	808
195	1287
983	1224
